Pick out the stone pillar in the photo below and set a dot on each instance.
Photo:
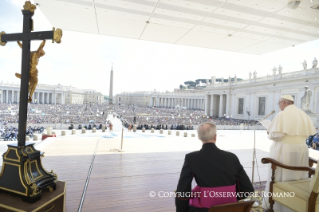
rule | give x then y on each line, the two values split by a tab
143	129
152	130
36	96
185	134
7	96
134	128
212	105
169	132
12	95
83	130
27	138
207	106
177	133
94	130
161	131
103	128
221	105
73	132
193	135
63	133
227	106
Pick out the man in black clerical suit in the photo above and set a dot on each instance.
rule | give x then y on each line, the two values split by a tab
211	167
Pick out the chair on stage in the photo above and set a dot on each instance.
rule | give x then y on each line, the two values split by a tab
305	191
231	207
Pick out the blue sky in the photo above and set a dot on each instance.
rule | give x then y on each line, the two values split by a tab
84	60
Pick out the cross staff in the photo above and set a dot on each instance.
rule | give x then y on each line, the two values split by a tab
27	36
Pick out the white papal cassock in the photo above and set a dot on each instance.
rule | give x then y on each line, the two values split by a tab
289	130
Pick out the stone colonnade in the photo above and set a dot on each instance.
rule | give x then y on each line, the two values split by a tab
216	104
171	102
43	97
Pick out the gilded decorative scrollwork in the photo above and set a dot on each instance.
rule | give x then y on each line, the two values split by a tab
26	174
2	43
54	174
23	151
36	191
50	188
29	6
57	35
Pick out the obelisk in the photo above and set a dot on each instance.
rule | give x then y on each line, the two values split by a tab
111	89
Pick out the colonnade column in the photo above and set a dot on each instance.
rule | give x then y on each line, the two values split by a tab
228	110
211	109
221	105
207	102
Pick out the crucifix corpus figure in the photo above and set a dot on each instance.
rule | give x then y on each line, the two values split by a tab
17	169
34	59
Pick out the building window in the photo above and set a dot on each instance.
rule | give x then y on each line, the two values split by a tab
261	106
241	106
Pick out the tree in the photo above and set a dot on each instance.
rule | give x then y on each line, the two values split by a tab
200	80
190	84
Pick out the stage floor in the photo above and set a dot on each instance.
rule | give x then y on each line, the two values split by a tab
150	164
123	181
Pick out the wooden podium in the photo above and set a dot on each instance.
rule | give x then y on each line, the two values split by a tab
50	201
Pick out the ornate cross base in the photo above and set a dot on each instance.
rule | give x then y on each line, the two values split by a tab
23	174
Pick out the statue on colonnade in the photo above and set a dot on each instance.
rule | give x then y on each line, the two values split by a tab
279	69
314	63
304	64
274	70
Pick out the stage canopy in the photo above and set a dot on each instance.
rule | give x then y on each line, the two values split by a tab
245	26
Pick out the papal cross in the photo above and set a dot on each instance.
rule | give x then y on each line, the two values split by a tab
26	37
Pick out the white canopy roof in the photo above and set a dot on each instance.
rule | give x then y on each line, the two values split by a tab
246	26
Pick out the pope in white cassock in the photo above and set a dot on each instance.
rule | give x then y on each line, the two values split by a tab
289	130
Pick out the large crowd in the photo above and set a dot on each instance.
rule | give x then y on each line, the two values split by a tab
54	114
78	114
171	117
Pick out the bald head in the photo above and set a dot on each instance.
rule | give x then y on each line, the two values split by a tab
207	132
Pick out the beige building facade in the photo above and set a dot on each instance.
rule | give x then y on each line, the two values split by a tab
50	94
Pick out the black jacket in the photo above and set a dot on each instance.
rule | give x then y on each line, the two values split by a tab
211	167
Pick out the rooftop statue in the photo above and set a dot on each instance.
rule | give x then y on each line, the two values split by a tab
304	64
279	69
314	63
274	70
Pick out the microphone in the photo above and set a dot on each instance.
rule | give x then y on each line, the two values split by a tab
272	112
